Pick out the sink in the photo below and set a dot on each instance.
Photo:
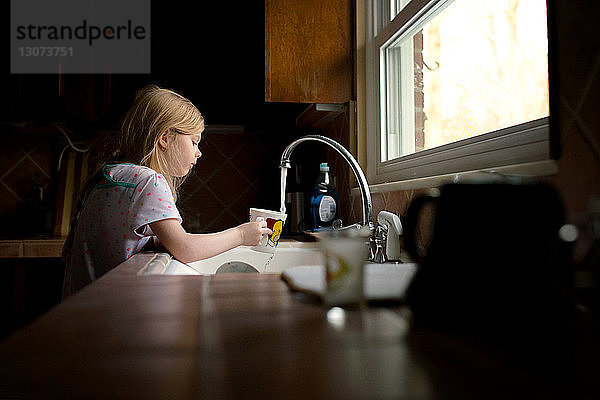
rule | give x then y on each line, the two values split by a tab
242	258
301	264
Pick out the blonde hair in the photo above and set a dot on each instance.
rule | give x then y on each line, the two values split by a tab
154	112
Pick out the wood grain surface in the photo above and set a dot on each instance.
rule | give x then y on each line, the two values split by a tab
309	51
233	336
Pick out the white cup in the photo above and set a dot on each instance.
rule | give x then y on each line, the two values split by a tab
275	221
345	255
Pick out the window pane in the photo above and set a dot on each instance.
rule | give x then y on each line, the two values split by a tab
475	67
396	6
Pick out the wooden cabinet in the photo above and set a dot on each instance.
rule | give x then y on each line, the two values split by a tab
309	51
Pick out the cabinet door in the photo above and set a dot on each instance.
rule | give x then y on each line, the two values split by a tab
309	51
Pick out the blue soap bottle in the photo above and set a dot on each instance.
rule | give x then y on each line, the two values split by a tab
323	201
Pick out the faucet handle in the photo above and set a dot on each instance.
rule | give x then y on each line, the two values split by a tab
380	243
381	233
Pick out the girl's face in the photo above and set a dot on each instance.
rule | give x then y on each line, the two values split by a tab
182	153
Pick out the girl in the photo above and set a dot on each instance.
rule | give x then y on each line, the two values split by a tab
131	200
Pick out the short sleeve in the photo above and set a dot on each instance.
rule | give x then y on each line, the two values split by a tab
151	201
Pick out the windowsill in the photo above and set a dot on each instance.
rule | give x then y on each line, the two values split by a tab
516	173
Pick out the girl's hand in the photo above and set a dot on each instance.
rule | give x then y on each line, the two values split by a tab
252	232
190	247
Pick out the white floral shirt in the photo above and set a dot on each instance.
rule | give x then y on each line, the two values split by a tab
113	223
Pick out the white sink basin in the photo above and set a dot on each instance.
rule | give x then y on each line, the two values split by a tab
244	259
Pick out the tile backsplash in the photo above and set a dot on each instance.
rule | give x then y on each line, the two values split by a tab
235	172
28	163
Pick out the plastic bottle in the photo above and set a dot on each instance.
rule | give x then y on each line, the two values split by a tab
323	202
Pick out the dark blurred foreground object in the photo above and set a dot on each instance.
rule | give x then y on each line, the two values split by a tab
496	268
586	255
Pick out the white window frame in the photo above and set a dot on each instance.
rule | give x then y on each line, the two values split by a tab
519	149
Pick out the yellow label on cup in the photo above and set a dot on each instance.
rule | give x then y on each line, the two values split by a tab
275	222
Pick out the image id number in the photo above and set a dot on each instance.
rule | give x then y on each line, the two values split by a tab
45	51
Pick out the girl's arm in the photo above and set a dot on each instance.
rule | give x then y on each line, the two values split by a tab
190	247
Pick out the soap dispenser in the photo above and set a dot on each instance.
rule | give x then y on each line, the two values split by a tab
323	201
393	227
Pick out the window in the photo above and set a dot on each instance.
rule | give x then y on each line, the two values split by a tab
455	85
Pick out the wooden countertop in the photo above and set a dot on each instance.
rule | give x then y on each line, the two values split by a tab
233	336
31	247
36	247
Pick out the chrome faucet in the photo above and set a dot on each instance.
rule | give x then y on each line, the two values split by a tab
367	205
